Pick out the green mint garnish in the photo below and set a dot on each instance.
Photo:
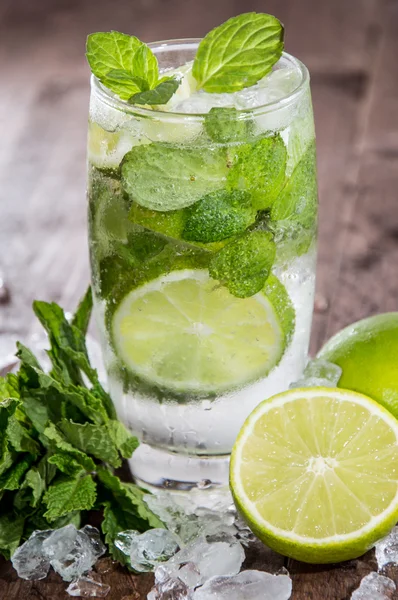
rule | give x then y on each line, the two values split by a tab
238	53
163	176
60	440
129	68
260	169
226	125
218	216
159	94
244	264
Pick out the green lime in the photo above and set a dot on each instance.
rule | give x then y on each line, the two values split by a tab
367	351
183	332
314	473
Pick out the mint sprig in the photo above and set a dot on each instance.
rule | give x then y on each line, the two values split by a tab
238	53
129	68
60	440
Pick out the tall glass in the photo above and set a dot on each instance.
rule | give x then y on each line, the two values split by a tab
202	245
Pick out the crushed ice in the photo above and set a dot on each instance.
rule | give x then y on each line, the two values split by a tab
387	549
319	372
208	565
198	557
375	587
70	552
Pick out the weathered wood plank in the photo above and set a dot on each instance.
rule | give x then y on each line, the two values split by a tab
350	50
367	282
341	32
124	585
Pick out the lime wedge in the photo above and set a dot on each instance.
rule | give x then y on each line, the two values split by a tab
314	472
184	332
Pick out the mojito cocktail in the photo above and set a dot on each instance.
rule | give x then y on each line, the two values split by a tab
202	217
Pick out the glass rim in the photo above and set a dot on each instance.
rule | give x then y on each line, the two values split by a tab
117	103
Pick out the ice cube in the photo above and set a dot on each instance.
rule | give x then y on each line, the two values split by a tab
244	533
321	373
187	85
151	548
60	542
387	549
188	521
124	541
209	559
170	589
168	507
202	102
270	88
375	587
29	561
71	552
86	587
98	547
248	585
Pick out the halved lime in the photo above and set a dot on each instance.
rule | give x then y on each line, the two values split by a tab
184	332
314	472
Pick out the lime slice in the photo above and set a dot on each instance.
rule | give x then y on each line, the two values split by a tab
314	472
184	332
367	351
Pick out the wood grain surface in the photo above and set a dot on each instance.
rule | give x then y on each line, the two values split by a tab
350	48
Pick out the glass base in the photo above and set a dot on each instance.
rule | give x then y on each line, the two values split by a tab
158	469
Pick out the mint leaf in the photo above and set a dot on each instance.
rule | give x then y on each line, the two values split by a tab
163	176
238	53
218	216
55	440
145	65
85	400
67	340
244	265
11	479
226	125
259	168
127	82
69	494
19	437
27	357
298	200
82	316
112	51
91	439
168	223
160	94
124	441
11	530
9	387
31	490
7	409
130	497
294	213
65	463
129	68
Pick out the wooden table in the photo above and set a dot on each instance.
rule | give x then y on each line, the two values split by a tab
351	48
